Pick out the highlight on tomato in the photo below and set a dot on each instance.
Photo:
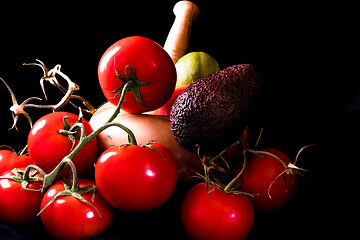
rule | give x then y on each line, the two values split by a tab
215	214
262	179
136	178
17	205
69	218
10	160
146	65
47	146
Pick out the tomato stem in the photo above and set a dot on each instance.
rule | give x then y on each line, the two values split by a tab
30	167
124	90
50	76
49	178
302	149
17	109
131	84
85	140
262	153
72	87
230	185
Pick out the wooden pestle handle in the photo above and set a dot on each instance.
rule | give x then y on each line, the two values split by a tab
177	41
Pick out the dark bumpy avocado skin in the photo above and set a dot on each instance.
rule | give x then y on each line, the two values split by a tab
214	111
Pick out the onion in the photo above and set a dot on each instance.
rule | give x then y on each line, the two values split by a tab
145	127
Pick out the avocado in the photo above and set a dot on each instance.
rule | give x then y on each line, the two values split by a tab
213	112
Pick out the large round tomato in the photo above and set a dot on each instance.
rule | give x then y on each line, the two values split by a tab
19	206
47	147
10	160
69	218
150	63
259	179
216	215
136	178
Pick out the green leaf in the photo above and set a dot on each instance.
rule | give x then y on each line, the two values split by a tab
148	145
66	123
80	198
134	84
62	193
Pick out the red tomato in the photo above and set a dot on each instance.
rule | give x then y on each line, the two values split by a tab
10	160
259	174
47	147
216	215
19	206
136	178
166	108
69	218
151	64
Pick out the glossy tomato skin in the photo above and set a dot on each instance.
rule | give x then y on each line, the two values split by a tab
10	160
136	178
69	218
4	156
47	147
18	206
166	108
216	215
150	62
259	173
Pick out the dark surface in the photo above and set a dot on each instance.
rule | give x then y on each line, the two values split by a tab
306	53
216	109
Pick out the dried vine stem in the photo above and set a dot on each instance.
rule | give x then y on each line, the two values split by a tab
17	109
49	76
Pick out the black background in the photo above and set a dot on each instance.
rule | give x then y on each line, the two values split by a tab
305	51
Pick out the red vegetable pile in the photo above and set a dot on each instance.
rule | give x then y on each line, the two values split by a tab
68	177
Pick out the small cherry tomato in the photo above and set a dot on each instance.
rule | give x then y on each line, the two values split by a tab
69	218
47	147
17	205
259	179
136	178
150	63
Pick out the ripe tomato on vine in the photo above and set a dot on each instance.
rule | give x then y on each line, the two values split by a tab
143	62
136	178
47	146
215	214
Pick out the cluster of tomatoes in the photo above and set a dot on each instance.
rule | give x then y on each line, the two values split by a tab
74	188
57	178
263	184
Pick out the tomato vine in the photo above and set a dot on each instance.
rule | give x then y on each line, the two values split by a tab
212	163
76	130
